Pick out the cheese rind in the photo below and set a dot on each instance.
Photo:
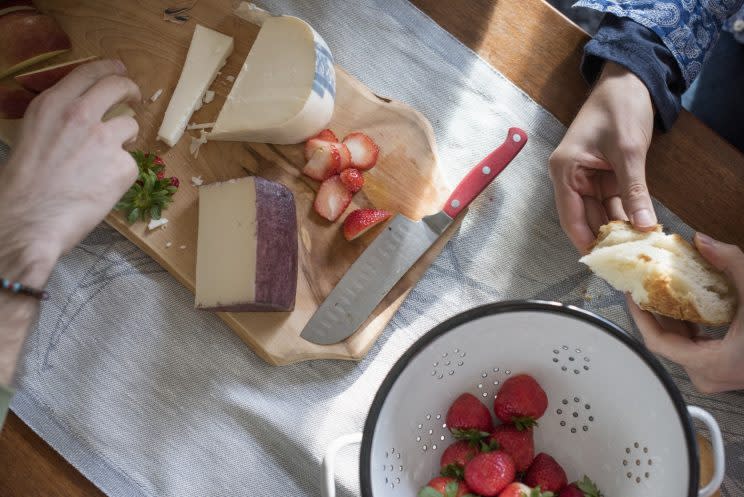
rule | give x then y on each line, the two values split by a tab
286	89
207	54
247	247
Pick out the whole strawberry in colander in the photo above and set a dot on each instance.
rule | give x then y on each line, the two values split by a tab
521	401
468	419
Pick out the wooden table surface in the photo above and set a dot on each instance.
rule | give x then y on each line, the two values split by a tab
691	170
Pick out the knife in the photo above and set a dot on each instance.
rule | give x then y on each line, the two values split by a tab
396	249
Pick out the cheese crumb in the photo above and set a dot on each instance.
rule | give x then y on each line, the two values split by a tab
230	78
156	223
156	95
182	247
200	126
197	142
208	96
168	244
197	181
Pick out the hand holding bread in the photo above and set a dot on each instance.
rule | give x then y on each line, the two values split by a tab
663	273
703	283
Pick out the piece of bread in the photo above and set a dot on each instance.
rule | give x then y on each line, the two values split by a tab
663	273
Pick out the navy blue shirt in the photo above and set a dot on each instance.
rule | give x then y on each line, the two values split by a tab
641	51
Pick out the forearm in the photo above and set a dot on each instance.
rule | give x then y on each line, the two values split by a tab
31	267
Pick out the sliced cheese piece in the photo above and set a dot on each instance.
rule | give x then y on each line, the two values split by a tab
206	55
246	256
285	90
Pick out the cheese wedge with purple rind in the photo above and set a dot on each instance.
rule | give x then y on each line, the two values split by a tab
246	257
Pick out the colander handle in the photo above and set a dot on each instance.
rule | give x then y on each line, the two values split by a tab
716	442
328	484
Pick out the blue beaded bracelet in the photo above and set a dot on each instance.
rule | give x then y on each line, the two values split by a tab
21	289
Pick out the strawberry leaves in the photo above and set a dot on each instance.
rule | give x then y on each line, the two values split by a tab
469	435
453	470
151	192
523	423
588	487
449	491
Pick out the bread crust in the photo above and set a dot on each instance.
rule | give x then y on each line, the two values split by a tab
662	297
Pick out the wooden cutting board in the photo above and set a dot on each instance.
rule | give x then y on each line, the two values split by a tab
406	178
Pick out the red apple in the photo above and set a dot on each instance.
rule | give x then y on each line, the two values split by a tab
28	37
41	79
13	100
8	6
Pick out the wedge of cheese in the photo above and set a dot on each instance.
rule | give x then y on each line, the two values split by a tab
246	255
285	90
207	54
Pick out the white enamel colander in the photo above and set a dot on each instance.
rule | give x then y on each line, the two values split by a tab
613	411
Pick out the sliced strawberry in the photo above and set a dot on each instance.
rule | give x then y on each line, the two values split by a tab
332	199
362	220
327	135
363	150
324	163
345	156
317	141
352	179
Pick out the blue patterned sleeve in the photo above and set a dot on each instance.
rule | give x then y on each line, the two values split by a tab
640	50
688	28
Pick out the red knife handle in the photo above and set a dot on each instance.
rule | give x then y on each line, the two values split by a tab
486	171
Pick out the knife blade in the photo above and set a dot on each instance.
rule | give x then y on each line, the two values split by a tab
402	242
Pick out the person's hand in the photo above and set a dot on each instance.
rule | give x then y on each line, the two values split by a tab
68	168
598	170
713	365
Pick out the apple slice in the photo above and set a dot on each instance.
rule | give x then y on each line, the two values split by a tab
28	37
13	100
41	79
9	6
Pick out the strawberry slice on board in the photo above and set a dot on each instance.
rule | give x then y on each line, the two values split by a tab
332	199
352	179
363	149
325	136
324	163
362	220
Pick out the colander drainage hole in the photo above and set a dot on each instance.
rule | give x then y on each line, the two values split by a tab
444	365
570	361
576	417
636	462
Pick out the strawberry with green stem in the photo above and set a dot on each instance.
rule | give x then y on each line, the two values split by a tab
468	419
582	488
445	487
151	192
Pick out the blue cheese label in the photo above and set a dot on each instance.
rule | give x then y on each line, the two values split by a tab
325	75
